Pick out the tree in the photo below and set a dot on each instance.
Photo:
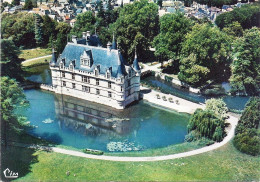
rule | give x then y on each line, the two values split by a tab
63	30
84	22
247	134
245	68
28	5
173	28
11	97
205	50
218	106
11	64
136	27
207	124
234	29
247	16
48	29
38	30
159	2
20	28
16	2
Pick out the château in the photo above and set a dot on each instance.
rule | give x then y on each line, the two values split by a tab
88	71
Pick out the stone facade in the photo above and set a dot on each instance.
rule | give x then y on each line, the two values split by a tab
95	73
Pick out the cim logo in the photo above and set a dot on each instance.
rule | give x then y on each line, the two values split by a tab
10	174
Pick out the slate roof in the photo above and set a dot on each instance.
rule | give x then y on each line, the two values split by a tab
101	56
93	40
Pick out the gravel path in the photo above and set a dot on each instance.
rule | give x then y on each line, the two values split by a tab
33	59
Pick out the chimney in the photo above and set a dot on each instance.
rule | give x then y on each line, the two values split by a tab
84	34
74	39
88	33
109	46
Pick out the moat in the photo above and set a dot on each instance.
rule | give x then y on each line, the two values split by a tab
81	124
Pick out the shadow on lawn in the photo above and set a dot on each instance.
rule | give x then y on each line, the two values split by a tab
19	159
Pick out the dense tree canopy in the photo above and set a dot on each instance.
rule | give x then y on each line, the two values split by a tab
246	65
136	28
11	64
20	28
11	97
248	16
63	30
173	28
207	124
247	134
205	55
84	22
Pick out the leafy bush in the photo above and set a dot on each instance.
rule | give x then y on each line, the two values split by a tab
94	152
218	106
247	134
205	142
248	142
168	78
207	124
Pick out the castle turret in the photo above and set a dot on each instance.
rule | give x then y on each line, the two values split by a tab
114	43
53	58
135	64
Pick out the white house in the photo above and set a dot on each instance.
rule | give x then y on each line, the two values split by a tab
88	71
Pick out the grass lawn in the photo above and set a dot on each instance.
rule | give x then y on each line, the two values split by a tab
224	164
34	53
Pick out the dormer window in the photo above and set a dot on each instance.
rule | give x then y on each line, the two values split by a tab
108	73
71	66
61	65
96	71
85	59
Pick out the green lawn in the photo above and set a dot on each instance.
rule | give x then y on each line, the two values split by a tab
34	53
224	164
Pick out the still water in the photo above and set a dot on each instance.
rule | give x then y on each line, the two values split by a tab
233	102
42	74
82	124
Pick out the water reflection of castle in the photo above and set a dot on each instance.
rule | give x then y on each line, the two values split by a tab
90	118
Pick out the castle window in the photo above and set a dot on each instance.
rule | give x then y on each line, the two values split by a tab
64	84
71	66
63	74
61	65
97	91
73	76
85	88
108	74
129	83
73	85
97	81
85	61
109	94
85	79
109	84
96	72
121	88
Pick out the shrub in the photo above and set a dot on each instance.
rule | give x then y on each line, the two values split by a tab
94	152
247	134
168	78
207	124
248	142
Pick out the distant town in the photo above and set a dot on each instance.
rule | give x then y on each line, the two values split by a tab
64	11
